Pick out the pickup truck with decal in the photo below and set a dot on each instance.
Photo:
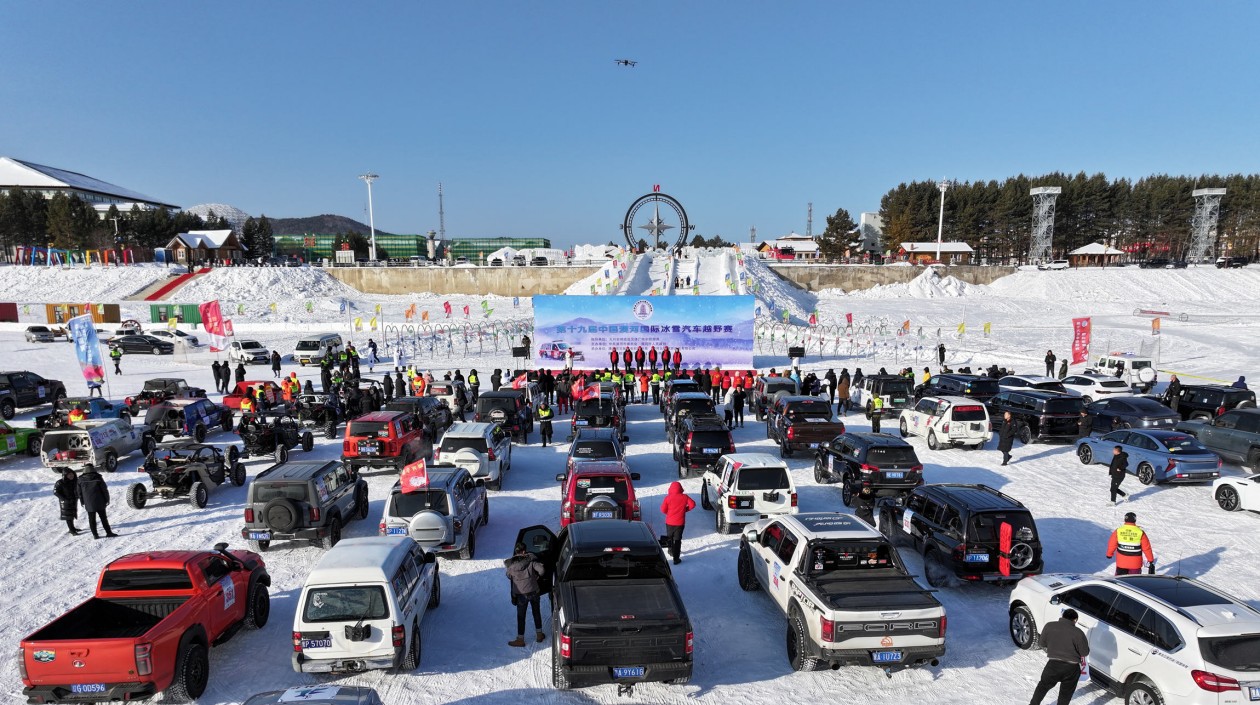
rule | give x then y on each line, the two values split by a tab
801	423
848	599
95	442
148	629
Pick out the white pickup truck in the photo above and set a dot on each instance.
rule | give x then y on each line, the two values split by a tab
95	442
848	599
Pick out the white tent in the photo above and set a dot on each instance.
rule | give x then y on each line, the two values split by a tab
1095	248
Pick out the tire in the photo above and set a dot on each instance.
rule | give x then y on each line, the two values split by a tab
238	474
330	430
137	496
308	442
559	679
435	594
1025	434
469	551
905	430
785	451
282	453
125	415
682	470
1253	461
1146	474
704	496
192	672
1085	454
495	485
485	512
1023	628
723	526
219	475
33	444
1227	498
225	423
157	351
1087	399
744	570
259	546
199	495
111	461
411	659
885	524
1142	693
363	506
1197	416
935	570
281	514
846	492
233	455
258	609
199	433
932	443
7	409
798	642
334	534
147	444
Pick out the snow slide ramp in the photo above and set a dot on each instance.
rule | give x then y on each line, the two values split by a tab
775	294
171	286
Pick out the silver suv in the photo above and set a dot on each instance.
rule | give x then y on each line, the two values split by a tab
303	501
483	449
444	515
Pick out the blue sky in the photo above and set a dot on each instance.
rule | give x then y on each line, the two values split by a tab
743	111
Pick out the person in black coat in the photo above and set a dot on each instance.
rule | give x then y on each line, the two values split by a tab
1117	469
832	380
275	364
1085	427
400	386
496	379
1172	395
1050	358
240	372
387	386
325	379
1006	436
548	385
94	493
68	499
218	376
307	387
940	354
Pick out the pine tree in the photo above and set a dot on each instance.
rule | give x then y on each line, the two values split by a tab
267	242
838	235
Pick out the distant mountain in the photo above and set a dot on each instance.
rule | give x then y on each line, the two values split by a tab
326	224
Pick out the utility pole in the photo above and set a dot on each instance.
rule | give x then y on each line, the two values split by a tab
944	186
369	178
809	221
441	215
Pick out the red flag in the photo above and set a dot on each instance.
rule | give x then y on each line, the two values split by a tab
848	318
1080	340
227	328
447	305
212	320
465	311
415	477
578	388
1004	549
521	381
589	393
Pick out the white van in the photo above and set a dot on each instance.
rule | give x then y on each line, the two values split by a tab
362	606
314	348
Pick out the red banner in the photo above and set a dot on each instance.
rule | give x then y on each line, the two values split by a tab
1080	340
415	477
521	382
215	325
848	319
1004	548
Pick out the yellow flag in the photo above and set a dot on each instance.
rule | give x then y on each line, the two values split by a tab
273	307
962	328
372	323
988	327
171	323
358	323
378	309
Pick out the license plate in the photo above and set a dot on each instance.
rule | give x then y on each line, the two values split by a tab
885	656
712	451
977	558
813	445
100	688
583	422
1253	693
317	643
894	475
396	531
496	414
601	515
628	672
260	535
899	401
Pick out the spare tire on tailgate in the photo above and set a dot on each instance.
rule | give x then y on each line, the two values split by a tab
282	514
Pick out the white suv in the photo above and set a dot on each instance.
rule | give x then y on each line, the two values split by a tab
1136	371
948	421
483	449
1093	386
745	487
1153	639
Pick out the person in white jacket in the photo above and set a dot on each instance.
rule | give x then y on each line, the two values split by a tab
728	408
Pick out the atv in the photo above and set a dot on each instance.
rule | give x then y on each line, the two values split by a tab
189	469
273	433
322	411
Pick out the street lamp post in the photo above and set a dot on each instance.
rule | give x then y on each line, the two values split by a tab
369	178
943	185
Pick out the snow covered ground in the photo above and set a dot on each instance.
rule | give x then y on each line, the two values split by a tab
78	284
739	636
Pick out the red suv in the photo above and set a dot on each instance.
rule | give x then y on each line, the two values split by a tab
382	439
599	489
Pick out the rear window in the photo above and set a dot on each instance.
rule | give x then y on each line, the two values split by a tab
829	556
440	389
969	413
763	479
1237	395
345	604
896	387
595	485
264	492
811	408
450	445
586	450
1183	444
889	455
38	329
485	405
145	579
593	407
709	439
621	603
152	386
369	429
779	385
981	387
988	527
694	405
1071	405
1234	653
409	504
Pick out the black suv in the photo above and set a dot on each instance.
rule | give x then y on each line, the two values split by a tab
982	389
431	414
509	409
322	411
699	441
1231	262
21	390
971	532
1200	402
676	386
268	433
303	501
682	405
1041	415
886	464
603	412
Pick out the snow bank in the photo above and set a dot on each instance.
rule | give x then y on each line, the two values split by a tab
1130	284
264	284
98	284
928	285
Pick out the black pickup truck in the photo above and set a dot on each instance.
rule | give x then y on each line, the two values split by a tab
617	616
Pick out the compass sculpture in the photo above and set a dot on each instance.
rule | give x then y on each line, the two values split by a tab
655	226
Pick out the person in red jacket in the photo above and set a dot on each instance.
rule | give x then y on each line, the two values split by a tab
628	358
639	357
675	508
613	358
665	358
652	358
677	360
1128	544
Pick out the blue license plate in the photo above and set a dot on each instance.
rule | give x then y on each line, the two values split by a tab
317	643
396	531
260	535
628	672
977	558
712	451
583	422
97	688
885	656
894	475
601	515
813	445
1253	693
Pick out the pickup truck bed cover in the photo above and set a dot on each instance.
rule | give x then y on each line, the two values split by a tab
881	589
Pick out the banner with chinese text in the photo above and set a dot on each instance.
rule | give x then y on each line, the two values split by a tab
1080	340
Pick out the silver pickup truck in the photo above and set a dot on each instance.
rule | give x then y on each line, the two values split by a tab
95	442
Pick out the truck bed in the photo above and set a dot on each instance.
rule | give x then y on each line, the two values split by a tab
881	589
811	431
109	619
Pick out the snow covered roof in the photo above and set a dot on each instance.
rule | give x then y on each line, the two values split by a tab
930	247
1095	248
210	239
15	173
796	236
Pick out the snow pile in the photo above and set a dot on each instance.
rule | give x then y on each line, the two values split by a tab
928	285
263	284
97	284
770	287
1133	285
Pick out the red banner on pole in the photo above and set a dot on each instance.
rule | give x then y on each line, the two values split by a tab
1080	340
415	477
212	320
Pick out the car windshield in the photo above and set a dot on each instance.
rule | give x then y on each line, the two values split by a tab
891	455
452	445
409	504
837	556
159	385
969	413
251	345
1233	653
590	450
982	387
368	429
1069	405
988	527
145	579
38	329
763	479
594	485
1183	444
307	345
345	604
486	405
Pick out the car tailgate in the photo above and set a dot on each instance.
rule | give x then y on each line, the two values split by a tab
814	429
626	622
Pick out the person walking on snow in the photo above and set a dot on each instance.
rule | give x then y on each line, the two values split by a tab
940	355
1172	395
1128	544
1117	470
675	508
523	571
94	493
240	372
115	354
68	499
1066	648
275	364
545	414
877	412
1006	436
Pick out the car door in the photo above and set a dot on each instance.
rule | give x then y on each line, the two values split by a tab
341	491
23	391
1092	603
765	550
224	603
1115	641
540	541
903	524
1219	433
919	415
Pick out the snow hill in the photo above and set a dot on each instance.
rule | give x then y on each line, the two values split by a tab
928	285
77	284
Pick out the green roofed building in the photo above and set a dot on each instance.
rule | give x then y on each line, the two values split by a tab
311	246
474	248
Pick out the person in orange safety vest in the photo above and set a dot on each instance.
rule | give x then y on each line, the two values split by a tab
1129	544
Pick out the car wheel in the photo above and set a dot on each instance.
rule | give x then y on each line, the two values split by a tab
238	474
723	527
362	506
147	444
233	455
704	496
1025	434
33	443
682	470
137	496
411	660
281	514
485	511
1142	693
157	351
1198	416
198	495
1085	453
199	433
125	415
1253	461
192	672
334	533
744	570
1146	474
1023	628
1087	399
258	609
308	442
469	551
225	423
798	643
932	443
905	430
282	453
6	409
785	451
819	479
330	429
935	570
559	679
1227	498
259	546
846	491
435	595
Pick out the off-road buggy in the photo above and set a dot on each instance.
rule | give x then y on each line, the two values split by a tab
273	433
185	468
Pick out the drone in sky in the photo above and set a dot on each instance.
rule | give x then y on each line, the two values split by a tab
625	62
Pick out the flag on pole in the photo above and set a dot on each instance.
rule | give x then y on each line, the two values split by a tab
988	328
212	320
372	323
1154	326
424	315
905	327
358	323
962	328
465	310
1081	330
521	381
171	323
415	477
848	319
446	306
87	349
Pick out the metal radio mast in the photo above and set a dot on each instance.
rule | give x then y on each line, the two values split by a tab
441	215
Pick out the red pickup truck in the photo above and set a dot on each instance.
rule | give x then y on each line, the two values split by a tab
270	390
148	629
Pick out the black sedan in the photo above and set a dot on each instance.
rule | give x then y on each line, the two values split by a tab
1130	412
142	344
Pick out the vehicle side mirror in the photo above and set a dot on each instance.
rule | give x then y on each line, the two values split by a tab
559	477
634	476
625	439
430	557
1055	600
750	535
